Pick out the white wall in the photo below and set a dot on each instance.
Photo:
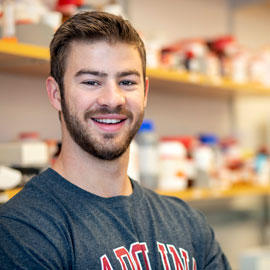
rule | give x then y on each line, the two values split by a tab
24	106
251	24
181	113
175	19
252	119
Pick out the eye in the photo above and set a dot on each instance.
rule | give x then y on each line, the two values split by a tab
91	83
127	82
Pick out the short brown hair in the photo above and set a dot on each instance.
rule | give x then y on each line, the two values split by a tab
90	26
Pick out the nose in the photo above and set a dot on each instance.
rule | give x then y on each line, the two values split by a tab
111	96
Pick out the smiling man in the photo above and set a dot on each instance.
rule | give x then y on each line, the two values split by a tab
85	212
102	104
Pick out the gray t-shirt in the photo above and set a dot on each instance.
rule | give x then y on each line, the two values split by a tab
53	224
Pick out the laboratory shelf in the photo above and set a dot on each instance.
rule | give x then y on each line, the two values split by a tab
172	79
192	194
13	48
216	193
30	59
24	59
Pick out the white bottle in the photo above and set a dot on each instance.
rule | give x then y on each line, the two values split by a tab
8	20
173	165
133	165
205	161
148	154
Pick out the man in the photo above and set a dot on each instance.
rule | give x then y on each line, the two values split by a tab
85	213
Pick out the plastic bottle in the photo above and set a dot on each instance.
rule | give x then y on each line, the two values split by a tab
173	164
133	165
206	160
8	20
262	167
148	154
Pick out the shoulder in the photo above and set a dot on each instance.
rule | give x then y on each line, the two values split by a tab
190	224
34	220
174	206
34	201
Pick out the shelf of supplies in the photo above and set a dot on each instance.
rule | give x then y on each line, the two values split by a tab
190	194
29	59
24	50
24	59
208	194
8	194
186	81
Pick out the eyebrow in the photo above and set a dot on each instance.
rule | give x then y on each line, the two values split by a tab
104	74
128	72
90	72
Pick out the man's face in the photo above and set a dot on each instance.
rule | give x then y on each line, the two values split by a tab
104	97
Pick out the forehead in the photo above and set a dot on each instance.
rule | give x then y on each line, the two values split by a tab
103	55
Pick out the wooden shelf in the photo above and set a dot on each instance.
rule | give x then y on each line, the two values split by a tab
208	194
29	59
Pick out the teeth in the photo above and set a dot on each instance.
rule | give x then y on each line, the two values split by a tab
108	121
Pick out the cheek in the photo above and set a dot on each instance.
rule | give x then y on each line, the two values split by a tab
136	101
81	104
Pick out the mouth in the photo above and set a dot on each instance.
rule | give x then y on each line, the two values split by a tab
109	123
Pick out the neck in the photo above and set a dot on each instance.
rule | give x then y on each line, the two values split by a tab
100	177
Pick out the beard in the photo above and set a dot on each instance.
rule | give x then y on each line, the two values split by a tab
106	148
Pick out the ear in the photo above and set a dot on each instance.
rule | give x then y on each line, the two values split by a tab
146	89
53	92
